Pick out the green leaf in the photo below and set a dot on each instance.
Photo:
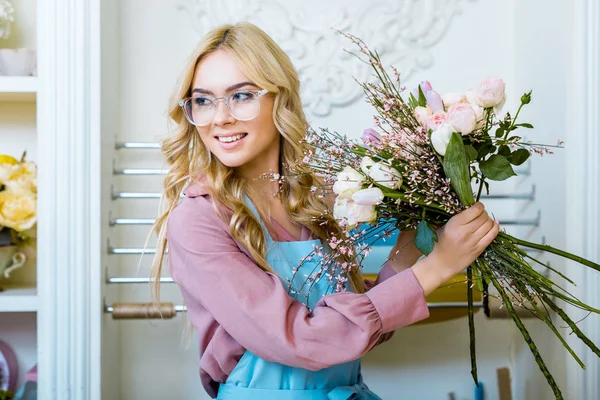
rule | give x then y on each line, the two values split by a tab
525	125
456	167
412	100
471	152
487	148
422	99
500	132
425	238
496	168
519	157
504	150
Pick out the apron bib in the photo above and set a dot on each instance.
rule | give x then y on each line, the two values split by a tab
255	378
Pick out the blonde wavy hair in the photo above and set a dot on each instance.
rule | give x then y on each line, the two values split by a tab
265	64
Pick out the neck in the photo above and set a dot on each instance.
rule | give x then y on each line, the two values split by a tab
259	172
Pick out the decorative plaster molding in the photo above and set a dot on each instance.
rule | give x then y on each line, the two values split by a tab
403	32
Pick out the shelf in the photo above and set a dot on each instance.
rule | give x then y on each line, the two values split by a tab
18	88
18	299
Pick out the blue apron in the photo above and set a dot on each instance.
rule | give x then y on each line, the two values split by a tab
255	378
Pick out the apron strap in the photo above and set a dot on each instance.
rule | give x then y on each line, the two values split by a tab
250	205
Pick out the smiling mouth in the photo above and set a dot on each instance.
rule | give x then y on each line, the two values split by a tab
231	139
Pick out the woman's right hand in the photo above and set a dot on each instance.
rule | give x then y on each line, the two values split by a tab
460	242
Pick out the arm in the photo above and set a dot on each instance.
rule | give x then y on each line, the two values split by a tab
403	255
255	309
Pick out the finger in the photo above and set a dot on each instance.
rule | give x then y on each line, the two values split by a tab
478	222
490	236
483	229
471	213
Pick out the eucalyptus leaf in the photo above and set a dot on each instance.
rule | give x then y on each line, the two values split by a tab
425	238
496	168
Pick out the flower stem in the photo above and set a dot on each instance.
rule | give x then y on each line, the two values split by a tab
552	250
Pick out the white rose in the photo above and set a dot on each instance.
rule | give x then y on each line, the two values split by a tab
386	176
351	213
471	97
365	164
450	99
348	181
368	197
441	137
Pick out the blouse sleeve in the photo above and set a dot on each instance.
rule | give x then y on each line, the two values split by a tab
254	308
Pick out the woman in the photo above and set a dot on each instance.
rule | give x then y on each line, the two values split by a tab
234	240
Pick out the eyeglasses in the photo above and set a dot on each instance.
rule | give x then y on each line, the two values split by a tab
243	106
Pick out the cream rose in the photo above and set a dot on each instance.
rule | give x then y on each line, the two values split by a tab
348	181
385	176
450	99
351	213
17	210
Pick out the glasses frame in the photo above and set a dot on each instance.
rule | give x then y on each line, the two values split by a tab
226	100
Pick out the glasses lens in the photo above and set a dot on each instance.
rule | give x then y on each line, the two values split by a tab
199	110
244	105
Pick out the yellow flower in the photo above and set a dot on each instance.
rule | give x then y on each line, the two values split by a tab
17	210
22	178
6	159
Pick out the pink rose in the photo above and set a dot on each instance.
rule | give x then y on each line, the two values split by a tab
437	119
422	114
490	92
462	118
450	99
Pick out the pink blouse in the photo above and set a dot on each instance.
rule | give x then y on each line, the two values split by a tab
234	305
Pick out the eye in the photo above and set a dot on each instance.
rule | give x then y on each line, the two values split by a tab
202	101
242	96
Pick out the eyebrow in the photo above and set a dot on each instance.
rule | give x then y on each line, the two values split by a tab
229	89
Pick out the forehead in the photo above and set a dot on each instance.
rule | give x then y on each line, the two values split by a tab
218	71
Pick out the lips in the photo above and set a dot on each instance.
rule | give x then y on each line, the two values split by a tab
231	138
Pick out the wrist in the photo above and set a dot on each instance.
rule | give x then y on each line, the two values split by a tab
427	272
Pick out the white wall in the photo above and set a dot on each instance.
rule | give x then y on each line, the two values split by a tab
508	39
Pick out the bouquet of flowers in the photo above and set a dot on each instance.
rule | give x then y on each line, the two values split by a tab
18	200
417	172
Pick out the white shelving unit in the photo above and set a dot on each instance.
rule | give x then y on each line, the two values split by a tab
18	299
18	88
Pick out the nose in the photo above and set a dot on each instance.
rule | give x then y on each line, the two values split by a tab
222	113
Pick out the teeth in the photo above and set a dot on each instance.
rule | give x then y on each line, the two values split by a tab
230	139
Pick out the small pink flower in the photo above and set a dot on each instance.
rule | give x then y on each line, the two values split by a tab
462	117
437	119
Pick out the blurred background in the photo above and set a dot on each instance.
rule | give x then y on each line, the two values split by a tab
93	110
